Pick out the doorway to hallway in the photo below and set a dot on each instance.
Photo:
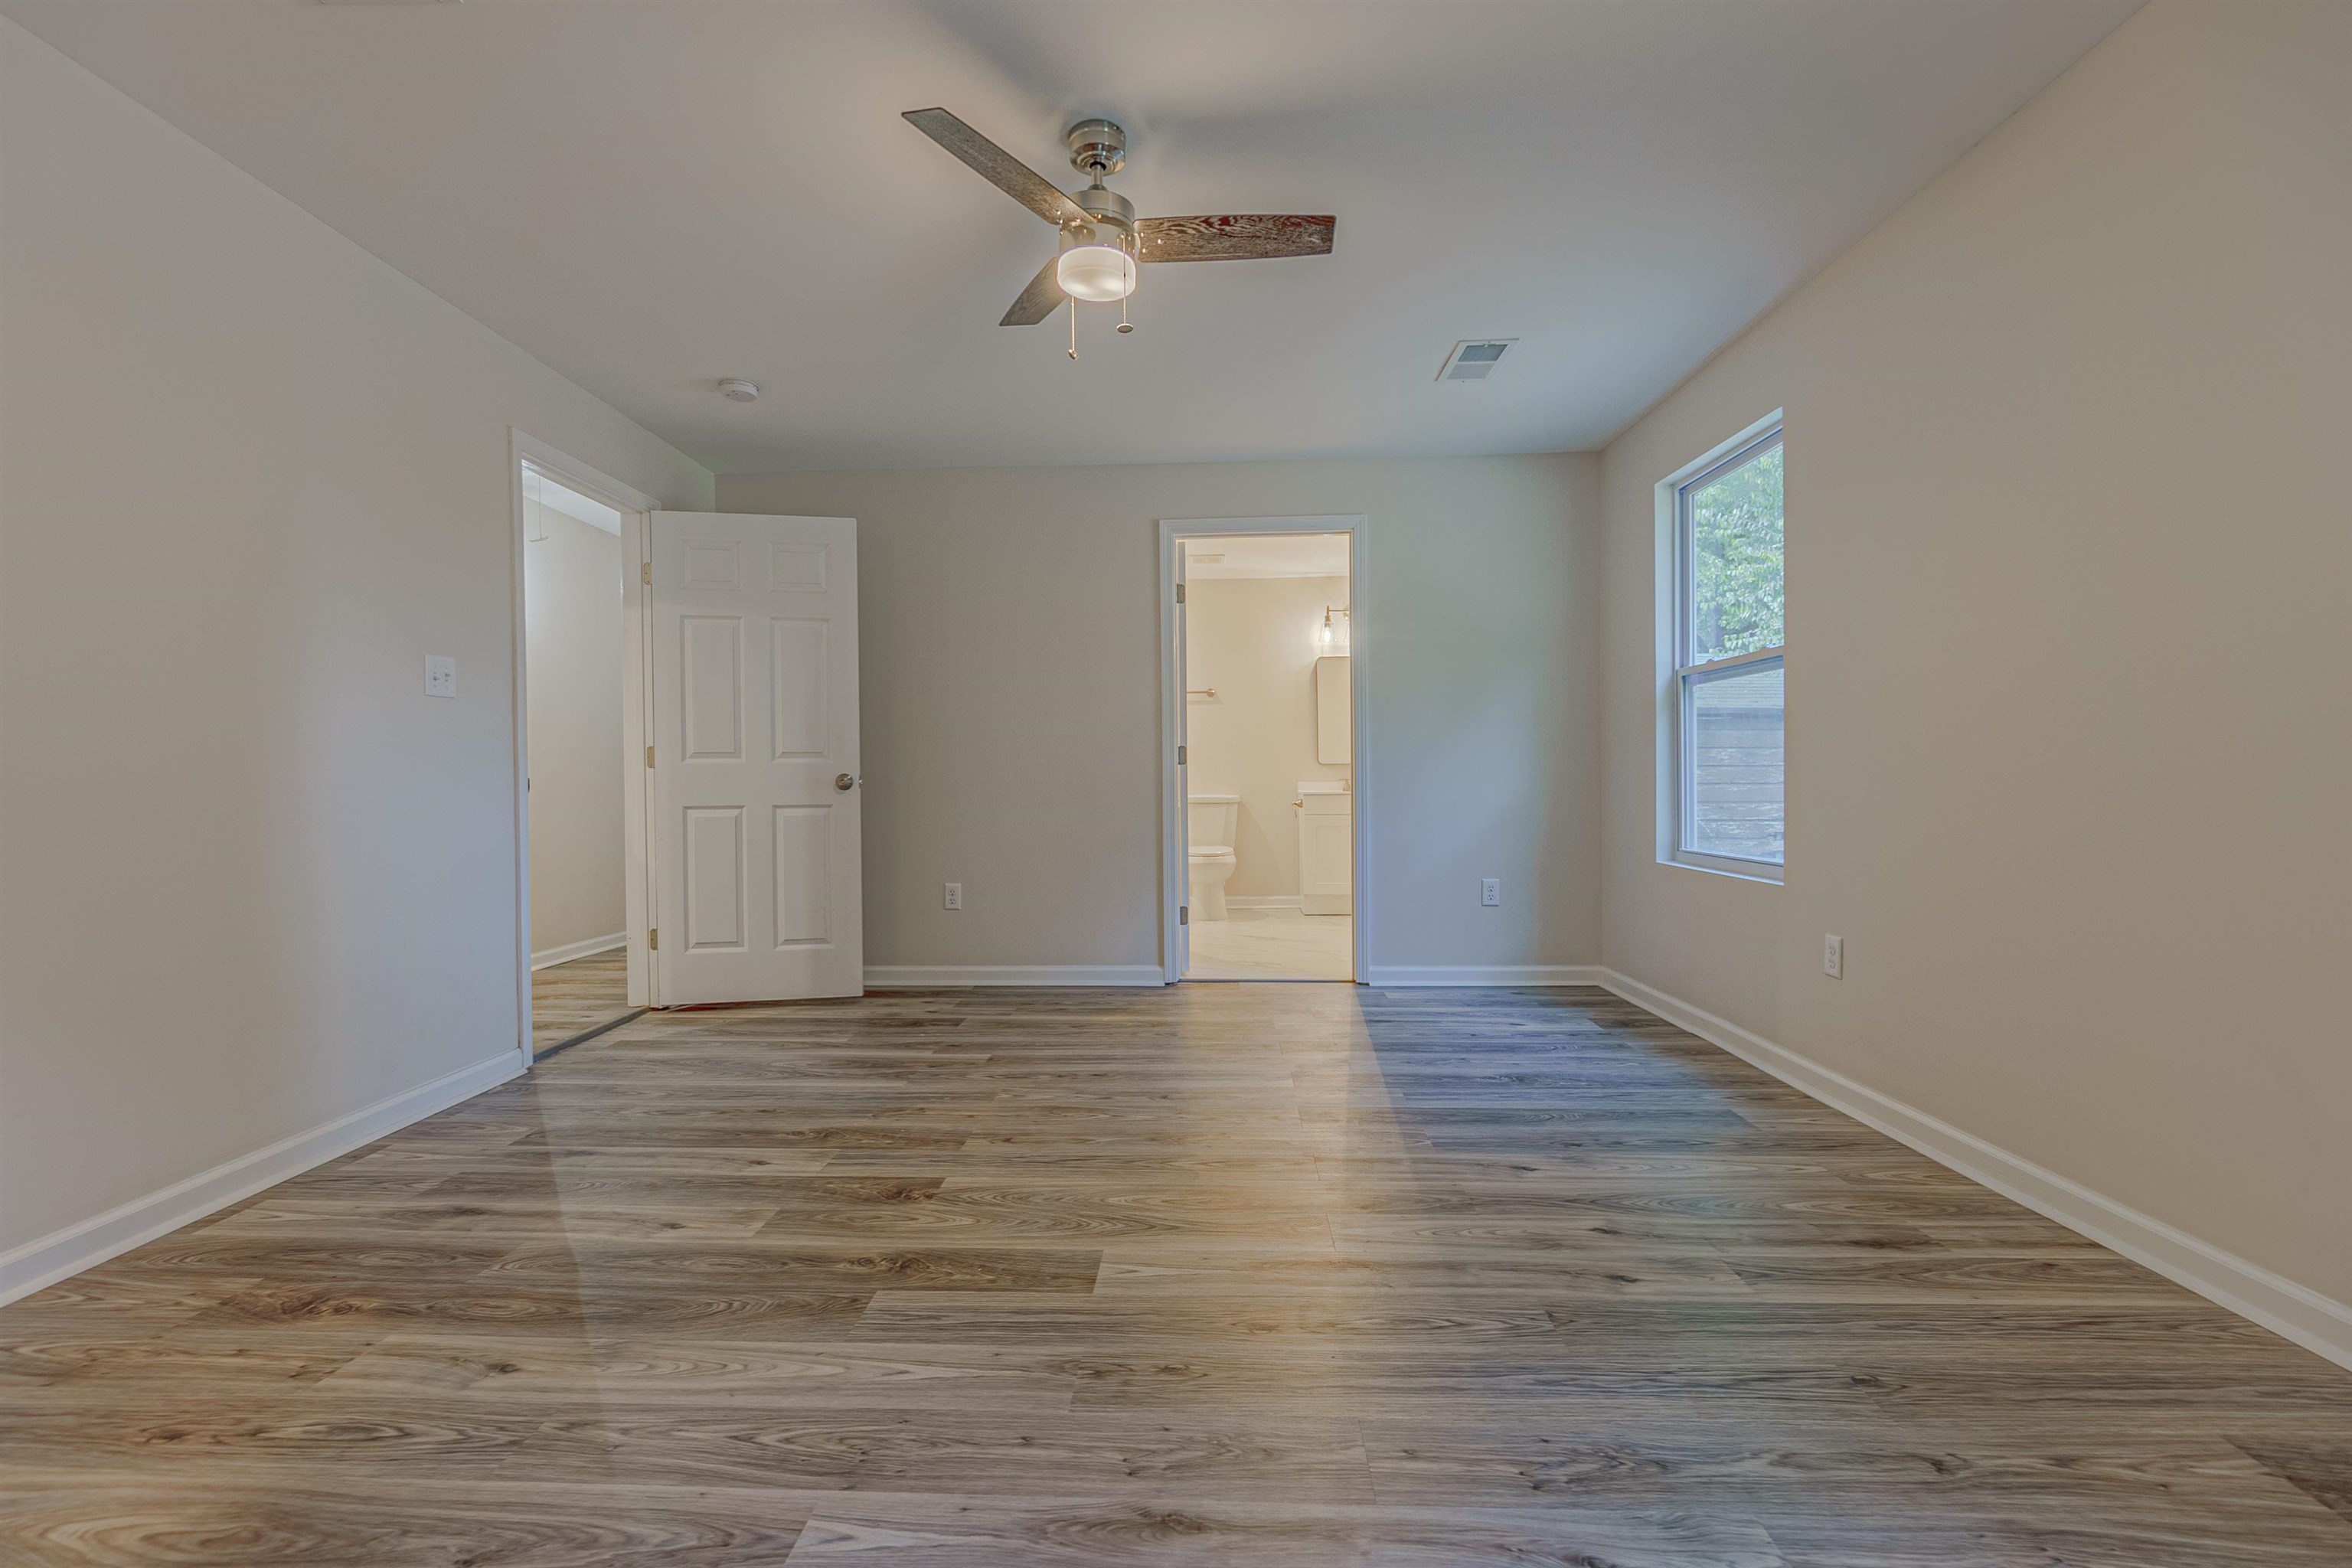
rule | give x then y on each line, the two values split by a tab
578	547
687	725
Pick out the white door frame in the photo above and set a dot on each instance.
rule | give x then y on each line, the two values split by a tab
635	508
1174	874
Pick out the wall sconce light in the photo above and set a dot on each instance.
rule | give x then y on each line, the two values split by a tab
1330	638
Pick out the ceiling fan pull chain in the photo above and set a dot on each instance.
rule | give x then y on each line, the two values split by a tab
1074	329
1124	324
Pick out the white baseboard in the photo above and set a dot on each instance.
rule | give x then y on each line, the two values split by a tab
62	1254
2291	1310
909	976
1264	902
1405	974
572	949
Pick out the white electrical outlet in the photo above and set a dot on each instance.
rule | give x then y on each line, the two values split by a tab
440	675
1490	893
955	895
1833	957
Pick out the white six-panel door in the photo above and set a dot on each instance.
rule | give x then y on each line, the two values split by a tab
754	785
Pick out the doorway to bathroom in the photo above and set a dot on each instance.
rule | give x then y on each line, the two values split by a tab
1261	690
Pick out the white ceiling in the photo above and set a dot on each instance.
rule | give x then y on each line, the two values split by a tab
1267	555
652	195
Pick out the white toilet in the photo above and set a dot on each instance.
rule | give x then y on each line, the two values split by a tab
1210	821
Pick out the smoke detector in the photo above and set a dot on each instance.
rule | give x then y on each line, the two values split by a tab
740	391
1473	359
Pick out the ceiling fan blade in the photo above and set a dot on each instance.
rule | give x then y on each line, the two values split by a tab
1233	237
997	166
1040	299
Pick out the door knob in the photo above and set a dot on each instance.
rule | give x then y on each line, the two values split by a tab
842	781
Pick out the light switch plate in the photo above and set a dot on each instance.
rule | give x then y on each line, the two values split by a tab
1490	893
440	675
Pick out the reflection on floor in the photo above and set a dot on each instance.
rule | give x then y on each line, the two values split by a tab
1273	944
568	998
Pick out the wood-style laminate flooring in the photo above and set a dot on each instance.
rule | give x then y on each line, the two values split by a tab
1292	1276
569	999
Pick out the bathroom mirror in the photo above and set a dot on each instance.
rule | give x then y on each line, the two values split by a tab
1334	732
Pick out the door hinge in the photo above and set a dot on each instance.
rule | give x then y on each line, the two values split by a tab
645	573
649	756
1179	756
1179	592
653	939
1183	914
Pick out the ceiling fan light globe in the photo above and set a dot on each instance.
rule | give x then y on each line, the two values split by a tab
1097	272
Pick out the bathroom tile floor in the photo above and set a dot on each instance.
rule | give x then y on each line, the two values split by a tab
1273	944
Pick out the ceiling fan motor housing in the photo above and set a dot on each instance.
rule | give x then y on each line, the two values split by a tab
1097	147
1114	220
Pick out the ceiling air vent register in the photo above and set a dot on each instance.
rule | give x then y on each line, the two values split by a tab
1475	359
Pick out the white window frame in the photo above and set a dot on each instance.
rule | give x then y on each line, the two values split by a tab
1677	781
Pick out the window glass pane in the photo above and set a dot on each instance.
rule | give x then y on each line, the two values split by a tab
1735	560
1735	763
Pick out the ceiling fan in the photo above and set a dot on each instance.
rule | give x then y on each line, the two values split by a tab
1102	239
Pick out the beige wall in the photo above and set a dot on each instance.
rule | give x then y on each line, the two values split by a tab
1009	639
2068	735
256	880
572	661
1252	639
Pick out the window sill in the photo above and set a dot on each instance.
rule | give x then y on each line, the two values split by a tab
1724	866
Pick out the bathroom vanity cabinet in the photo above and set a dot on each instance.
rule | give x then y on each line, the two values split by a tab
1326	848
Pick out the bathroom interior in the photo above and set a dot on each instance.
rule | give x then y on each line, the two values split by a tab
1270	810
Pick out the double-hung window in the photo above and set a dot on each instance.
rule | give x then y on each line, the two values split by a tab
1729	643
